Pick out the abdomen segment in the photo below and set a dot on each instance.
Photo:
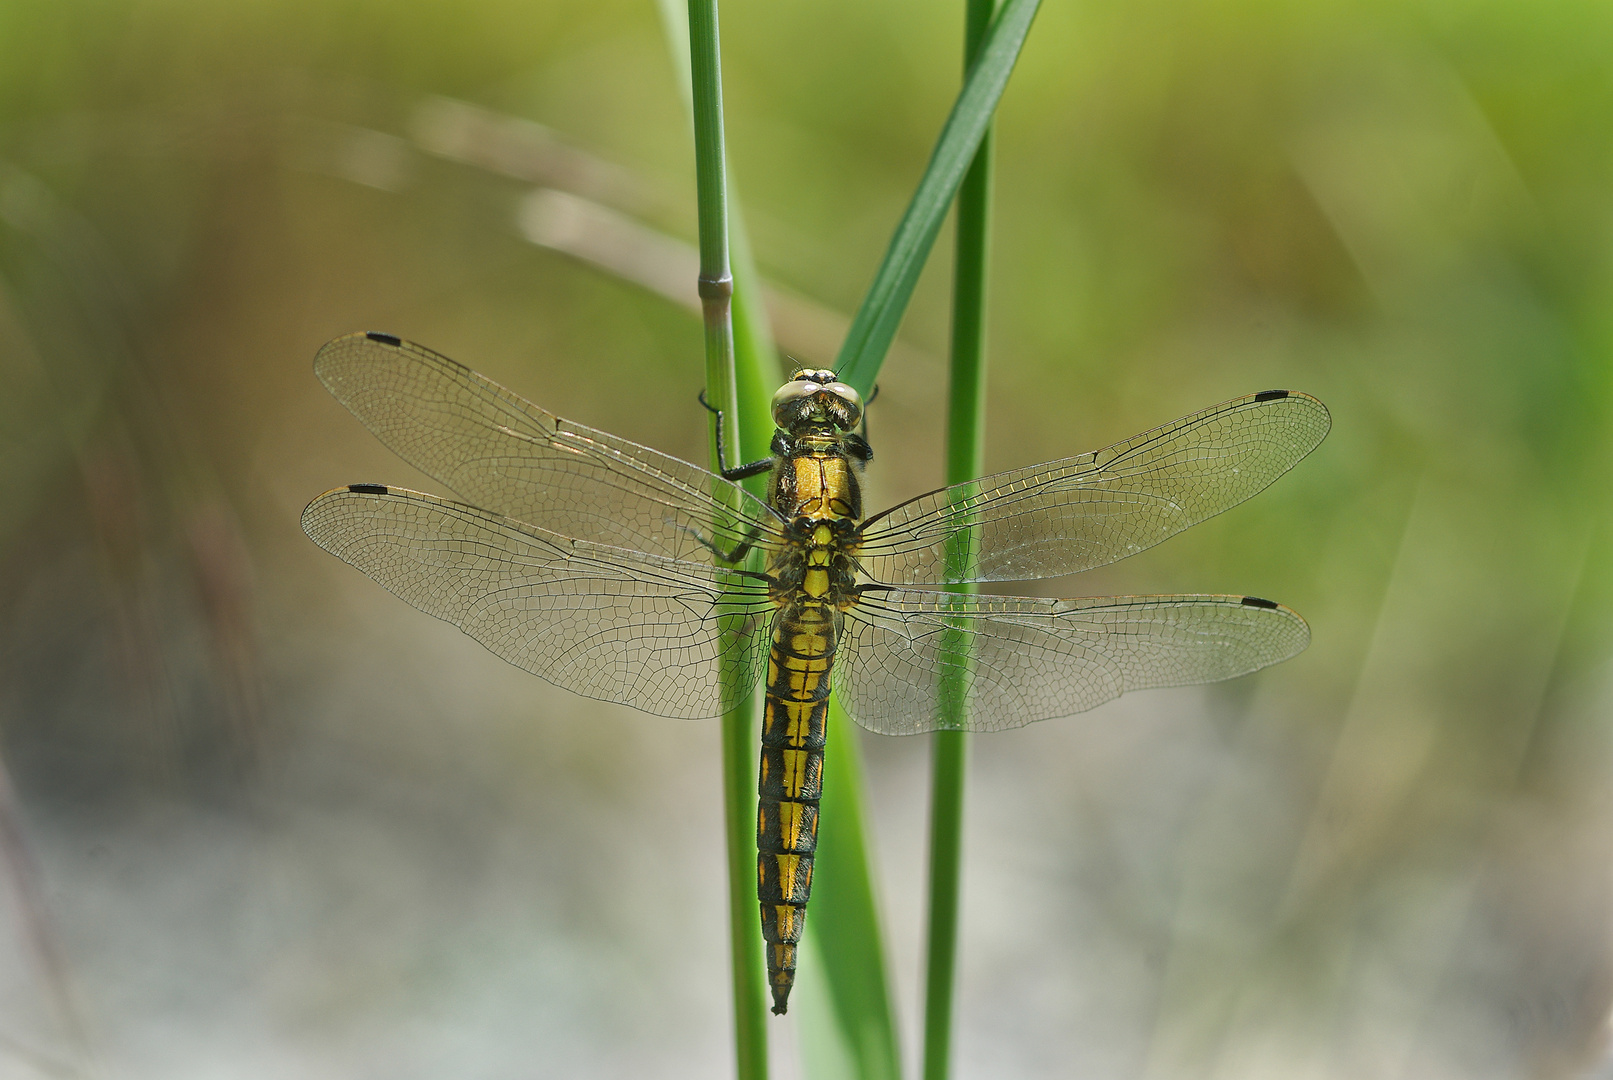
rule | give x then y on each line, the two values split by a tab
790	780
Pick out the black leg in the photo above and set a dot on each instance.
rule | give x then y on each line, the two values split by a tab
742	472
873	397
741	549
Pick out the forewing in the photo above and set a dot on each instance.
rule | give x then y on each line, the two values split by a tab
909	657
668	637
1072	515
501	452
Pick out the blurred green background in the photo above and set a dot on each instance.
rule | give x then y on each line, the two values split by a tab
260	819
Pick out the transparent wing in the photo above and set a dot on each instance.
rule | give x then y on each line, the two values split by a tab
1072	515
908	656
501	452
668	637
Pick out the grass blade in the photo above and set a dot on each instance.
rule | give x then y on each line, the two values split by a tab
882	308
843	927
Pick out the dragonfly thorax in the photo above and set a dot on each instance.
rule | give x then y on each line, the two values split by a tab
817	495
815	476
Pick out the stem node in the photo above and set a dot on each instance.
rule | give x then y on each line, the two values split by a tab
716	288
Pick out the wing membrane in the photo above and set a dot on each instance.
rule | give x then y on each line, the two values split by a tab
909	656
603	622
499	451
1072	515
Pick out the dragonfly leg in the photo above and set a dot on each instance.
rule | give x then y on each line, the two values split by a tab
740	550
739	472
873	396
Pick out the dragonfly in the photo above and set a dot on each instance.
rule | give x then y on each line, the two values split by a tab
621	573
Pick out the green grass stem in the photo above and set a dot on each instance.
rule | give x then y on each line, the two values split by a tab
739	733
941	934
966	400
846	932
739	739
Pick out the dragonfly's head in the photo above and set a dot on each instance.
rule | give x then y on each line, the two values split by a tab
816	397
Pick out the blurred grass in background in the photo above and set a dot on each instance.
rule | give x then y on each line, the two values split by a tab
262	819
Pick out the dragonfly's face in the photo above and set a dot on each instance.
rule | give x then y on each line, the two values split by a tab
816	397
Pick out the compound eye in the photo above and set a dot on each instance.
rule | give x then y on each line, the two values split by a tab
789	394
852	400
845	393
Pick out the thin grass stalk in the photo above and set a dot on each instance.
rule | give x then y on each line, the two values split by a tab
845	931
965	451
738	724
739	738
756	368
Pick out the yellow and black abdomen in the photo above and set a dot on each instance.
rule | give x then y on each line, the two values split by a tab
812	576
794	719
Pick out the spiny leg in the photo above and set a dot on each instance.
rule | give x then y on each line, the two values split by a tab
740	472
740	550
